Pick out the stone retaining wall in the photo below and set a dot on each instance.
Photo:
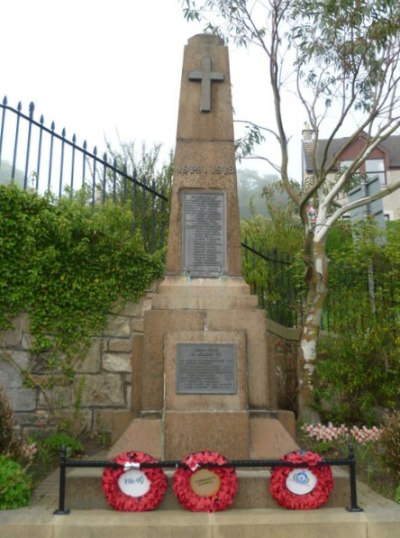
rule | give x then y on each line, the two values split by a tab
104	375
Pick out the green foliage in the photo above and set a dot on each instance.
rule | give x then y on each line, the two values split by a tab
10	445
357	373
150	212
391	443
15	485
358	370
277	274
66	264
50	446
268	233
397	494
348	44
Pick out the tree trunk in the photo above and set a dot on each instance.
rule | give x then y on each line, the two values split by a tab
316	278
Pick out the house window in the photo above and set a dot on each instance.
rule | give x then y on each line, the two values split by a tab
376	168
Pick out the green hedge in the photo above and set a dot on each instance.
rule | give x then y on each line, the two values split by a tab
65	263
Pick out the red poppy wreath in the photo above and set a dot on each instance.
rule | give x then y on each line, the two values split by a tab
132	489
200	488
301	488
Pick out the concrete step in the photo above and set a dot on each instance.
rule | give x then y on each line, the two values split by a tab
257	523
83	490
206	300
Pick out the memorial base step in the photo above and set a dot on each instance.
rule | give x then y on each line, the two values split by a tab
84	491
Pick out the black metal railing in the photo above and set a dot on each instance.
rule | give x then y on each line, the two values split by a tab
65	463
353	294
38	157
273	278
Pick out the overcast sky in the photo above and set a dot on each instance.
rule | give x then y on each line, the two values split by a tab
101	68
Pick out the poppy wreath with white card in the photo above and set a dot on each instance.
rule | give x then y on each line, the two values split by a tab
131	488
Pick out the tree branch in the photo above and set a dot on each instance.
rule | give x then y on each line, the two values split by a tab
323	228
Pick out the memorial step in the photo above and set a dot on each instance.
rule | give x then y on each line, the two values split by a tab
84	491
204	293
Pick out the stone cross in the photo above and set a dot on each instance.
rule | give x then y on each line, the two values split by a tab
206	76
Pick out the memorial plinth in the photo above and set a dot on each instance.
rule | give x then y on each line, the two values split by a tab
202	375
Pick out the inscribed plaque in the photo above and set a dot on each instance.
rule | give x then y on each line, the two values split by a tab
204	233
206	369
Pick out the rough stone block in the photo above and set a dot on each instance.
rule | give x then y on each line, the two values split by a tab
103	390
22	399
117	362
92	361
103	420
9	373
137	325
62	395
131	309
119	345
118	326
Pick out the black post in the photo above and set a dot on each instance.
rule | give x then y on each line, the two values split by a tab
62	511
353	487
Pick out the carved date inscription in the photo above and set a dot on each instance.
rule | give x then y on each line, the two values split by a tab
194	168
206	369
204	233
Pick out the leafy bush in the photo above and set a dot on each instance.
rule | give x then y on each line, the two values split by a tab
391	443
397	494
358	373
358	368
15	485
10	445
54	442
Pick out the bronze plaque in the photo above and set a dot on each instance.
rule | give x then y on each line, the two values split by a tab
204	233
206	369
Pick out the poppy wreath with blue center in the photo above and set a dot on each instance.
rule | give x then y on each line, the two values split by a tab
301	488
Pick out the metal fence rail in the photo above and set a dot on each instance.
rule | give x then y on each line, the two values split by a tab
353	295
38	157
350	461
272	277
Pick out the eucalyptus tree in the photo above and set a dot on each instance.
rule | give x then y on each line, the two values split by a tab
341	58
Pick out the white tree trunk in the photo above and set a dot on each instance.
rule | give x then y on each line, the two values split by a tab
317	275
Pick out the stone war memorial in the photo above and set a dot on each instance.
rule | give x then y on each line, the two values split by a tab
202	377
203	382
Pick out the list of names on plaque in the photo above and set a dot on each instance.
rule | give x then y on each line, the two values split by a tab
206	369
204	233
